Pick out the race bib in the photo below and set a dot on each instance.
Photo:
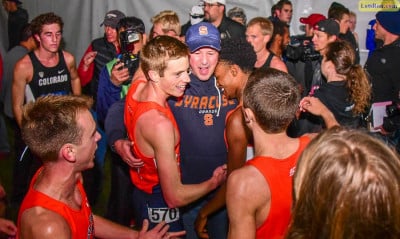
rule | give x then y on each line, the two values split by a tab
157	215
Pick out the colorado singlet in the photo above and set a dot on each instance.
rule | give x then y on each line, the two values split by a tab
48	80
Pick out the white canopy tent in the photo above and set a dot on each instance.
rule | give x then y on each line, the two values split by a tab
82	18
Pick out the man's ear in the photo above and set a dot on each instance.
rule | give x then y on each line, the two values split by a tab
332	38
68	152
234	69
267	38
248	115
154	76
37	38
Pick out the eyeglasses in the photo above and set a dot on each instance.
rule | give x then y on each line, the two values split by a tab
211	4
196	16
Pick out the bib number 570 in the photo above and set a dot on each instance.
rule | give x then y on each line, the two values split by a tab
157	215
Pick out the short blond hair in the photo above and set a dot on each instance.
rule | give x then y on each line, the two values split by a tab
169	21
267	28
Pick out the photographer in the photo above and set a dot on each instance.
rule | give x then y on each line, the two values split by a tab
116	75
308	72
302	58
114	82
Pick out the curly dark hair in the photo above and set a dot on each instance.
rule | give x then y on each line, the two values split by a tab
238	51
45	19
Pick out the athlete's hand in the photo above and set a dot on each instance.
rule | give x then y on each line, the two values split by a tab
123	147
219	175
158	232
8	227
200	226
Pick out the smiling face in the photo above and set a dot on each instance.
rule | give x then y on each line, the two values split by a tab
285	38
203	62
176	77
225	79
230	79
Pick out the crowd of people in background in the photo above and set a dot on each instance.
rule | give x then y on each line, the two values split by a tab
218	127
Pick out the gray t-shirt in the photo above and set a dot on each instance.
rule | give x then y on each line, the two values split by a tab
10	59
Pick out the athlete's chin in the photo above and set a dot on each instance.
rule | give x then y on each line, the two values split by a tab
178	94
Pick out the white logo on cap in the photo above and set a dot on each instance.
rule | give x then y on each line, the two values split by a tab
111	15
203	30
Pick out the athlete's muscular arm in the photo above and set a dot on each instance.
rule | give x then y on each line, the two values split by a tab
39	223
247	197
237	139
75	81
159	139
23	73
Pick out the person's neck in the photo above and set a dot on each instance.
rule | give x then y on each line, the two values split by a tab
47	58
57	182
277	144
390	38
218	21
116	45
45	55
152	92
262	57
335	77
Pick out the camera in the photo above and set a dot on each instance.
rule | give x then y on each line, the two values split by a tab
392	121
301	48
127	39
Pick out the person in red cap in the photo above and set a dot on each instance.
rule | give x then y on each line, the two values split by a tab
310	21
307	69
301	54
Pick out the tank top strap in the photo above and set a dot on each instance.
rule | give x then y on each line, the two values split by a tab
269	59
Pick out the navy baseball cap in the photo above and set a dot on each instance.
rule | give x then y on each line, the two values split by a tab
203	34
329	26
112	18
